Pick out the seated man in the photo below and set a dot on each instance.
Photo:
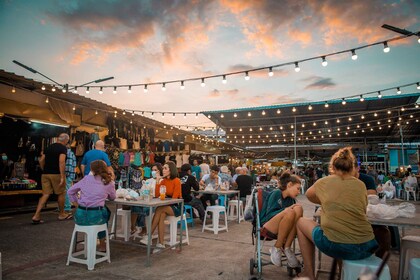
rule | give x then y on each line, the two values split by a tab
213	182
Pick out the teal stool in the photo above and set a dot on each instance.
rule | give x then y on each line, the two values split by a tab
190	219
352	268
414	270
222	200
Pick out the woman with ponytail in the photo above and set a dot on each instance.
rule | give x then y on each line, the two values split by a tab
89	196
279	216
345	232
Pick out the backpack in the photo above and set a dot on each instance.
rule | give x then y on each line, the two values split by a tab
80	149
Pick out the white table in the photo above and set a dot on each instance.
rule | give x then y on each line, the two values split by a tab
225	193
152	204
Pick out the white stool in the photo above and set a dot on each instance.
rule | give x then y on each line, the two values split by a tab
89	249
215	210
124	224
411	190
232	205
407	242
173	230
351	268
414	271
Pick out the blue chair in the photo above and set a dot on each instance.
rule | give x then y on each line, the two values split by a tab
222	200
190	219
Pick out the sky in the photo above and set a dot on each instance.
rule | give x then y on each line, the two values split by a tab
141	42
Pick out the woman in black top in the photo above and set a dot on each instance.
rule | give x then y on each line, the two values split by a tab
189	182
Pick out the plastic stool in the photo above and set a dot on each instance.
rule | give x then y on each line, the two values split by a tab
190	219
89	249
173	230
232	205
414	271
216	211
352	268
407	242
222	201
125	224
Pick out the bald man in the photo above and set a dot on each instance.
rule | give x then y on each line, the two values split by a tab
96	154
53	164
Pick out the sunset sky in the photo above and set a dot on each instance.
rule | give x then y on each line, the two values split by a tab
155	41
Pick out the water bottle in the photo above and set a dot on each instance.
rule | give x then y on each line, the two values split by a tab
120	184
162	192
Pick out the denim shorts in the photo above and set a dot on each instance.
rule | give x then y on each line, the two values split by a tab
342	250
92	217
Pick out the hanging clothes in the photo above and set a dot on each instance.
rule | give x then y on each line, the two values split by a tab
126	159
121	159
151	158
137	159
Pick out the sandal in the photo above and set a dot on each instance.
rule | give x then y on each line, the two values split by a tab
68	217
37	222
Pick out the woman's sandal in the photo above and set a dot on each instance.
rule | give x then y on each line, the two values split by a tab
37	222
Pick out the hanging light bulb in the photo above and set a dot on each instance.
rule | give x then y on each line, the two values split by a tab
418	85
386	48
203	84
293	109
53	88
224	81
362	117
64	90
249	114
402	109
222	116
163	115
129	89
43	87
324	61
278	111
398	90
235	115
297	68
100	90
376	114
13	89
182	85
350	119
75	90
416	106
314	123
263	113
74	108
47	100
132	113
270	72
87	89
310	107
361	98
173	115
131	121
96	112
379	94
326	122
196	115
124	113
247	76
115	90
326	104
353	55
145	90
163	87
343	101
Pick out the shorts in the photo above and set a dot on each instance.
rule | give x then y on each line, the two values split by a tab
50	184
342	250
268	235
176	209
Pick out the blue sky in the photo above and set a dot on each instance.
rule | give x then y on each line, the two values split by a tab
147	41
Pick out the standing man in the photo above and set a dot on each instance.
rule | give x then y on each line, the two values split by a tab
244	184
53	164
70	176
96	154
196	170
205	168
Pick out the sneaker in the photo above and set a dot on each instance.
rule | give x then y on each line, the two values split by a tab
291	258
275	255
158	248
145	238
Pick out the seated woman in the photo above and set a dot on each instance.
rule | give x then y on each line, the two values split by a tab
94	190
138	214
345	232
173	189
279	216
188	183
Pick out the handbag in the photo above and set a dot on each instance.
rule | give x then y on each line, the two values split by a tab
80	149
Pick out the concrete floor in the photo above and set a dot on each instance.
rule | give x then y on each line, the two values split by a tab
40	252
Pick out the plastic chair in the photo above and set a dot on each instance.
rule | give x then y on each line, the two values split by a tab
216	211
233	212
173	229
89	249
351	268
125	224
222	201
414	271
411	190
190	220
407	242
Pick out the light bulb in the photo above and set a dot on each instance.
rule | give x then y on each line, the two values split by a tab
196	115
96	112
145	90
75	90
310	107
353	55
379	94
115	90
235	115
326	104
203	84
222	116
182	85
74	108
87	90
224	81
278	111
324	61
100	90
43	87
270	72
64	90
418	85
249	114
173	115
398	90
263	113
343	101
129	89
386	48
163	115
53	88
47	100
247	76
13	89
293	109
163	87
297	68
361	98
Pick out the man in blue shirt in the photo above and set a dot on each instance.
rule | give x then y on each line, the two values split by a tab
96	154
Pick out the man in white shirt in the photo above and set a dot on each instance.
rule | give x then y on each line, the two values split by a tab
205	168
210	181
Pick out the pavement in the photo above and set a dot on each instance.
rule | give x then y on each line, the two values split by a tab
40	252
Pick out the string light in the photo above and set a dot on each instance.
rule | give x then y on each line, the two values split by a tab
398	90
203	84
379	94
386	48
115	90
47	100
43	87
278	111
297	68
310	107
361	98
235	115
163	87
324	61
63	90
249	114
163	115
263	113
87	90
74	90
224	81
13	89
100	90
270	72
74	108
343	101
96	112
129	89
418	85
222	116
247	76
182	85
53	88
326	104
353	55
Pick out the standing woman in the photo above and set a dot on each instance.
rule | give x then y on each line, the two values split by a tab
173	189
345	232
94	190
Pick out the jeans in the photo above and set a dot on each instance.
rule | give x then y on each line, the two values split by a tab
211	197
142	212
67	204
93	217
197	204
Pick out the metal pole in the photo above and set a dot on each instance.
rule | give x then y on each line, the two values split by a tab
402	143
295	162
365	152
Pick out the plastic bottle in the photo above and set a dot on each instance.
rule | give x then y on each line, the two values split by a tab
162	192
